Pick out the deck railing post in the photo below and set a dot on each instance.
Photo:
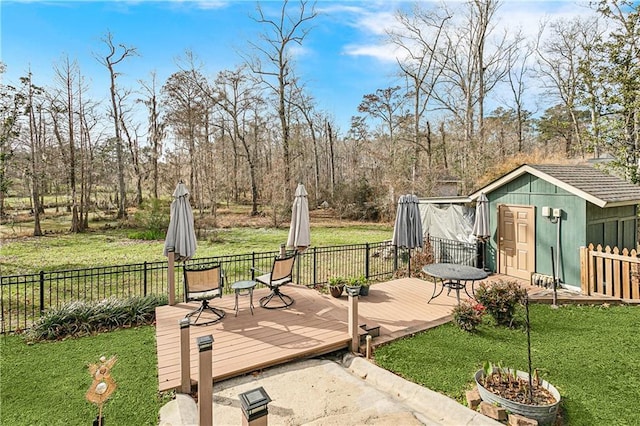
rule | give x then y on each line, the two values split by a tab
353	323
41	292
171	281
205	380
185	358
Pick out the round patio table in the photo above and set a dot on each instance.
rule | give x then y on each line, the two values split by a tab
238	286
453	277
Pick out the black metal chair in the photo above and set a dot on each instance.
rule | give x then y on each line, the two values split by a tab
204	284
281	274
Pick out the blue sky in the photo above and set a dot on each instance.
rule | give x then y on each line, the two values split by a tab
342	59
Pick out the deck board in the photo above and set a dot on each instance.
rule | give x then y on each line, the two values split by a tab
316	324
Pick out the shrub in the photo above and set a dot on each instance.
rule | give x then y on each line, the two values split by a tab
79	318
468	315
154	218
500	299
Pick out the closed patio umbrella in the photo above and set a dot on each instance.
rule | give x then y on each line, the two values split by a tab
180	243
181	236
481	224
299	231
407	230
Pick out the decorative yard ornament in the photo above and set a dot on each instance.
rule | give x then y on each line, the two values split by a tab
102	386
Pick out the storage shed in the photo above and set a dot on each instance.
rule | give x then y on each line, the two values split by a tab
535	208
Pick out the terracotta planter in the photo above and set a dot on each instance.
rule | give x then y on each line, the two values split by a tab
336	291
544	414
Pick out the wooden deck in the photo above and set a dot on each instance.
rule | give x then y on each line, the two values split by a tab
316	324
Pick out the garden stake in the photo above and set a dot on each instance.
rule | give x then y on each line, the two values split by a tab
526	309
102	385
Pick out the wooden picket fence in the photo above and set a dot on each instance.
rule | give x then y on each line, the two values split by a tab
610	272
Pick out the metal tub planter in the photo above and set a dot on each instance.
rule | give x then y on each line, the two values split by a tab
544	414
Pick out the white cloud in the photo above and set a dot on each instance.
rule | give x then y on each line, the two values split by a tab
374	20
381	52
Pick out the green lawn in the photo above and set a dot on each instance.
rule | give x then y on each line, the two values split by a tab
591	354
46	383
71	251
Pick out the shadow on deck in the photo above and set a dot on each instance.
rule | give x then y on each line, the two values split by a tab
315	325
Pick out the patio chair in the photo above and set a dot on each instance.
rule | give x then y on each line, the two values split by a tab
203	284
281	274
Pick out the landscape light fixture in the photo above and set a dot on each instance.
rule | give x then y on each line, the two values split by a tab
254	403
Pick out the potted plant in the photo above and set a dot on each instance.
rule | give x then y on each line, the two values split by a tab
353	286
517	391
336	285
364	285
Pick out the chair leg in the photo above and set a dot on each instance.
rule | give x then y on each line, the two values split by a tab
219	313
285	299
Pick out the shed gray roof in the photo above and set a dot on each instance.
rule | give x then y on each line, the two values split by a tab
584	181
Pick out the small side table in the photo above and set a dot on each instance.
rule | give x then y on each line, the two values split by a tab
238	286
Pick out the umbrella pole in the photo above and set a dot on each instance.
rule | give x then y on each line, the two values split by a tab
409	264
171	278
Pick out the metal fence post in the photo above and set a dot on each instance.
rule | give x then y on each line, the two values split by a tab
315	266
253	265
41	292
366	262
144	280
395	258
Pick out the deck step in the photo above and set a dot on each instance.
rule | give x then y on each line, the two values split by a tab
373	331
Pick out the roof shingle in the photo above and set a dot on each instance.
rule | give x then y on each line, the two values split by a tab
594	182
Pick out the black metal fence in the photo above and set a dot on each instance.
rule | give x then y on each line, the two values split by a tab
23	298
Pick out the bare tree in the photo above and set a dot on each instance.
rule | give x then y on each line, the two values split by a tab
36	142
114	56
236	95
477	62
560	50
67	73
130	132
11	104
419	40
274	66
518	72
155	132
185	105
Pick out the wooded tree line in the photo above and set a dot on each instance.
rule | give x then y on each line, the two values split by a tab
249	134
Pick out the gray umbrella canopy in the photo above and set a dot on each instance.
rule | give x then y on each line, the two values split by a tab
407	230
481	224
181	236
299	231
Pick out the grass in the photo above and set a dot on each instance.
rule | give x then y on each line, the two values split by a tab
112	247
46	383
590	354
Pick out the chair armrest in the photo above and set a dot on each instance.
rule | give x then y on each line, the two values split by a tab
259	270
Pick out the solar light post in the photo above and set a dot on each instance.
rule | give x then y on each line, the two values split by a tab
205	380
185	361
254	407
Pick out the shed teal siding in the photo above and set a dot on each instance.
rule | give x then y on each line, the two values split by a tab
615	226
581	223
